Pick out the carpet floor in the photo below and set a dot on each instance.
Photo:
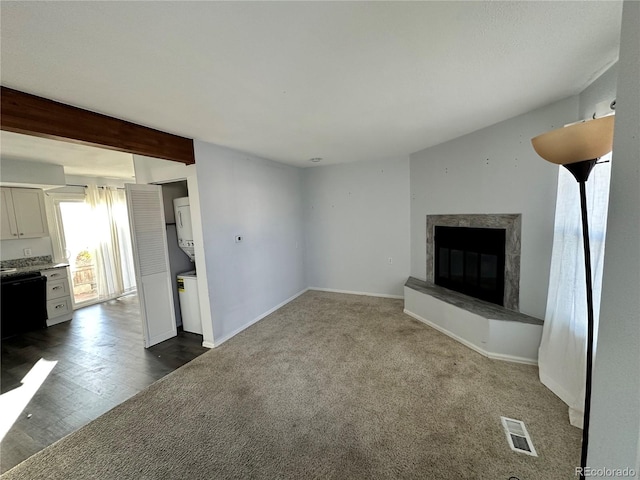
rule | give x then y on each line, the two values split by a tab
329	386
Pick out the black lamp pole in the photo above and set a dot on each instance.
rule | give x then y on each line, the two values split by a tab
581	171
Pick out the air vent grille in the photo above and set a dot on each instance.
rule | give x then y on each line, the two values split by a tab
518	437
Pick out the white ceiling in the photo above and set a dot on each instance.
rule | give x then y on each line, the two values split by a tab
76	159
345	81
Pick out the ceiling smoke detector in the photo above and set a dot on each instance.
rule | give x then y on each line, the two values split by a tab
315	159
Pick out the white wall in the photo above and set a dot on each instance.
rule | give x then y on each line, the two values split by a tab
100	181
602	89
12	249
615	415
155	170
261	200
495	170
356	218
17	172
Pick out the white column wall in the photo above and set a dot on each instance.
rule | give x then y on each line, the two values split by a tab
260	200
615	414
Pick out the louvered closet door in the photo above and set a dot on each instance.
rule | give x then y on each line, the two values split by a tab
151	260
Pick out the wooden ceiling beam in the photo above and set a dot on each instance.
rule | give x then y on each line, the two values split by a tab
32	115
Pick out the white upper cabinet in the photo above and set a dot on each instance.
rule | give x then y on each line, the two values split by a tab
23	213
8	228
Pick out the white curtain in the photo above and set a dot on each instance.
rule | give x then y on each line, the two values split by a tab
562	354
109	223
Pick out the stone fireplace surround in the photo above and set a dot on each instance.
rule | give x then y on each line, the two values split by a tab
511	222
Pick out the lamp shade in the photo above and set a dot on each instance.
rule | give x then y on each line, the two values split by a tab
578	142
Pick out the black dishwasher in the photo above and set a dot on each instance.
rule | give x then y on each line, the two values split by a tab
23	303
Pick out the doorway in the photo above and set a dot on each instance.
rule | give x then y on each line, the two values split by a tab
92	231
77	243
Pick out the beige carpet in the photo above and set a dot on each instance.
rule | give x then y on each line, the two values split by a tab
329	386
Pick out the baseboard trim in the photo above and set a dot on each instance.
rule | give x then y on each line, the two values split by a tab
208	345
558	390
217	343
349	292
466	343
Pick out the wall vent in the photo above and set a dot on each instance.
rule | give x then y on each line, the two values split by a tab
518	437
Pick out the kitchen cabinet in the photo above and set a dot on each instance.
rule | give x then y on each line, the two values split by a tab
8	227
23	214
59	306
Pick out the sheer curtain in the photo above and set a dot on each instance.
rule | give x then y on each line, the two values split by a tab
110	224
562	354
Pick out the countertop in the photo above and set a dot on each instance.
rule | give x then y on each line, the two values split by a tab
32	268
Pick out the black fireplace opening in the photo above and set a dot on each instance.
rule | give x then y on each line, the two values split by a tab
471	261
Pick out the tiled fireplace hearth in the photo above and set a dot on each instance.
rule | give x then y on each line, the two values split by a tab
496	331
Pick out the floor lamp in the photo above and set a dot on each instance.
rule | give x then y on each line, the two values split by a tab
577	147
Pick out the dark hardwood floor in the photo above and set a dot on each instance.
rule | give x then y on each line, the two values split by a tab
101	363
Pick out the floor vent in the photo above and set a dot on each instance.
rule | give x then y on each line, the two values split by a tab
518	437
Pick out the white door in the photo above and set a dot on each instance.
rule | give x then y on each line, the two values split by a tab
151	260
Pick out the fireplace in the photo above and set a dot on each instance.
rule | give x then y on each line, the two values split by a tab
471	261
508	224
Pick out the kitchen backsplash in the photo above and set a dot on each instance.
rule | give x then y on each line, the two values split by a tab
26	262
10	249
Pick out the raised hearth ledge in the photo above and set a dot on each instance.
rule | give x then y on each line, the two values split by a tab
473	305
490	330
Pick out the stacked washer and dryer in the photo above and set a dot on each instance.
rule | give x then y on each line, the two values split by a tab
187	281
